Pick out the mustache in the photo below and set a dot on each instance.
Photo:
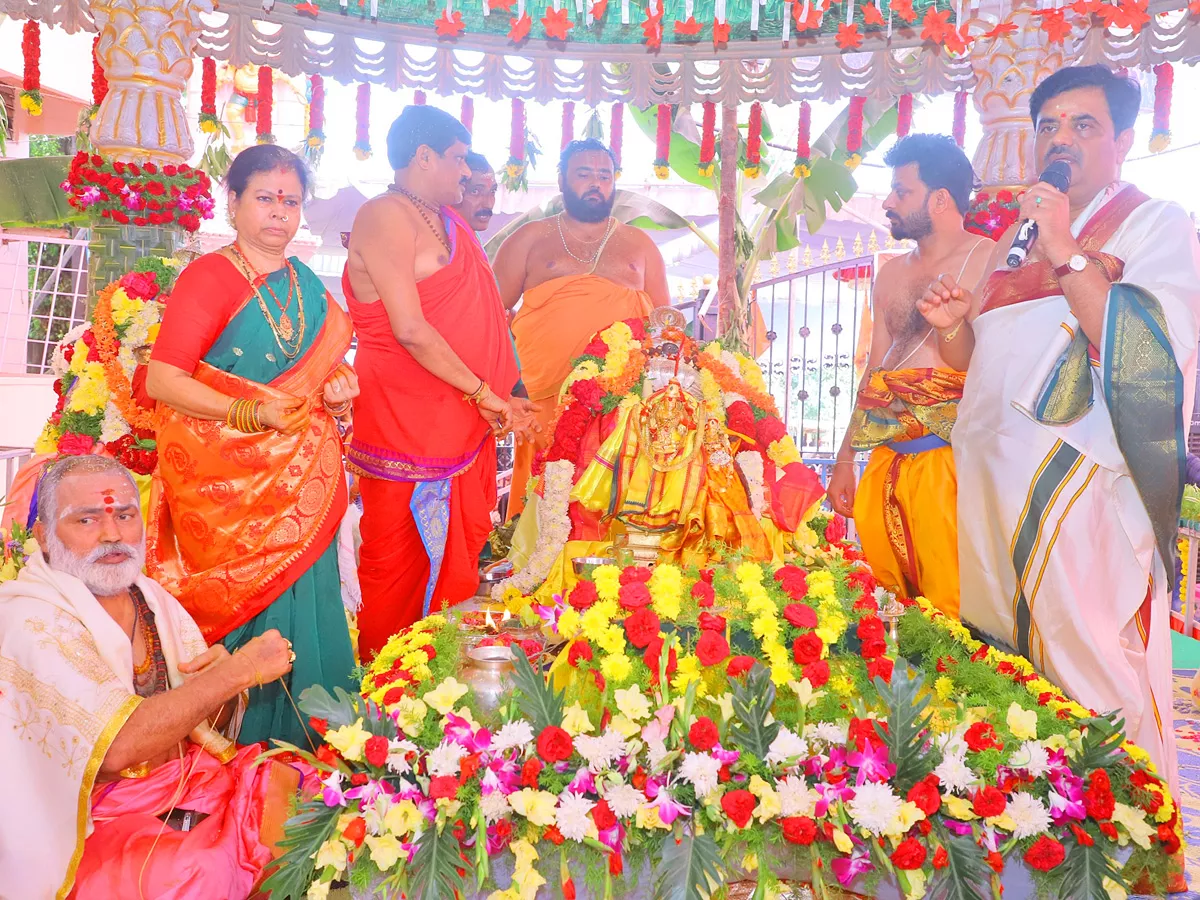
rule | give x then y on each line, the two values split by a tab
487	213
1059	153
128	551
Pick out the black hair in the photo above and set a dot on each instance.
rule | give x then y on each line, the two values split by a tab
264	158
478	163
586	145
941	164
1123	94
423	126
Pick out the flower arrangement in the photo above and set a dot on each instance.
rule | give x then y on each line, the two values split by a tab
31	81
94	366
99	81
209	123
15	548
754	141
514	170
904	111
702	727
662	141
854	132
126	193
1164	86
708	139
991	215
803	165
316	113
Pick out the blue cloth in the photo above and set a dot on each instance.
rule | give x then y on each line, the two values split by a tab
430	505
920	445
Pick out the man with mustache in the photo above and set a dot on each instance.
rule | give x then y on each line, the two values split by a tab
104	678
575	274
1070	435
478	204
904	509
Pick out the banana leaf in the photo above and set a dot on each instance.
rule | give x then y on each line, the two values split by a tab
30	195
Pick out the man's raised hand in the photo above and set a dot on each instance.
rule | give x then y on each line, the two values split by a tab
945	303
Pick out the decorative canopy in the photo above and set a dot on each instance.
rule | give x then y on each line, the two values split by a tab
666	51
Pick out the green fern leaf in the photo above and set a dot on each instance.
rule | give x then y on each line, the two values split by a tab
540	703
1084	872
966	874
689	868
433	874
906	736
1101	743
304	833
752	704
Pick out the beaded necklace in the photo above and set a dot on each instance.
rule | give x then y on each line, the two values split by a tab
288	337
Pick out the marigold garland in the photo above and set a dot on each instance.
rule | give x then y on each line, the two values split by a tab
960	118
616	132
854	132
31	82
708	139
266	100
1164	84
316	113
662	142
754	141
568	124
904	111
99	81
732	382
209	123
467	117
362	122
803	166
119	389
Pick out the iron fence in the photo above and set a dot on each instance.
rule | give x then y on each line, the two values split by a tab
43	295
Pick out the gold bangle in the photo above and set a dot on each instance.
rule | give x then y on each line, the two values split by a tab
339	410
258	680
229	413
480	393
953	334
255	420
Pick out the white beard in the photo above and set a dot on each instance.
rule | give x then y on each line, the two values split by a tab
102	579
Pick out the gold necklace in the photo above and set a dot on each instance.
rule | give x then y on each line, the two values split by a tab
288	337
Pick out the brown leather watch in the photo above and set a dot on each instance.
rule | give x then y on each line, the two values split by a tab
1077	263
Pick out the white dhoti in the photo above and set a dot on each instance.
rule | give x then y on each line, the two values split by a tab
1057	548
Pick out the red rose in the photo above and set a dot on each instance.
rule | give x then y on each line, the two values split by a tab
712	648
980	737
739	806
635	574
807	648
739	665
817	673
909	854
989	802
584	595
703	734
799	830
320	726
710	622
72	444
769	430
530	772
739	419
881	668
642	627
873	648
150	169
376	751
554	744
1004	196
835	531
356	831
588	393
704	594
1045	854
925	796
170	171
443	787
941	858
794	581
800	615
581	651
603	816
634	596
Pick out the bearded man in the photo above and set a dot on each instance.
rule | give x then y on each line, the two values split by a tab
108	702
575	274
904	508
1070	437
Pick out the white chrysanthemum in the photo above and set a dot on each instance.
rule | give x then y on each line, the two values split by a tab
514	734
1029	814
796	797
572	816
702	771
1032	757
397	760
58	362
829	732
443	759
495	806
954	773
623	799
874	807
787	745
951	743
656	752
601	751
114	425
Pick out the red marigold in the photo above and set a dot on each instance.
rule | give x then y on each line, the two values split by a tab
1045	854
603	816
869	627
554	744
794	581
739	805
873	648
800	615
739	418
769	430
712	648
642	627
581	651
981	736
356	831
530	772
909	854
589	393
583	595
881	668
990	801
836	530
711	622
1098	799
635	575
596	348
817	673
739	665
925	795
376	751
703	734
807	648
941	858
443	787
799	830
704	594
634	595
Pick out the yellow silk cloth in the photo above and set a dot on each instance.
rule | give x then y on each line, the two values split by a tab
904	404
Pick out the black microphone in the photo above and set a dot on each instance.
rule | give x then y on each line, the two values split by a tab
1058	176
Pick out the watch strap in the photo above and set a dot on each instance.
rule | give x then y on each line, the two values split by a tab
1065	269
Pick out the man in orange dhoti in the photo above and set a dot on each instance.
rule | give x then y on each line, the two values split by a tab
432	344
904	508
120	786
575	274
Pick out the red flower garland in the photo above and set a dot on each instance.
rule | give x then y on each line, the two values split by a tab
418	98
316	112
708	139
99	81
1164	84
616	132
362	122
31	81
568	124
754	141
468	113
266	100
854	132
803	167
209	123
662	142
516	140
960	118
127	193
904	111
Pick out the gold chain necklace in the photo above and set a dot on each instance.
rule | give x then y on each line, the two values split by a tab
421	206
288	337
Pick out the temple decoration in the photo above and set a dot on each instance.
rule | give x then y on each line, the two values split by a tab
266	102
145	195
568	123
515	175
209	123
31	80
754	141
1164	84
854	132
616	131
99	82
708	139
662	141
315	139
904	111
467	117
419	98
960	118
803	165
362	122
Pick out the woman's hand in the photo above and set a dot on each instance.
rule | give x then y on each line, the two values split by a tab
525	425
287	416
341	387
495	412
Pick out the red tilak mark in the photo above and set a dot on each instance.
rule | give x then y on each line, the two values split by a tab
108	499
108	509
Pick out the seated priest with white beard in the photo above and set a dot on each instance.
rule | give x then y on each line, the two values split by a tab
117	781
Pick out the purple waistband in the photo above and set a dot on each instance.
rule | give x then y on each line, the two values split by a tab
919	445
388	465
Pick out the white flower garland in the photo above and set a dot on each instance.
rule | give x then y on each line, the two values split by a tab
58	362
554	530
751	465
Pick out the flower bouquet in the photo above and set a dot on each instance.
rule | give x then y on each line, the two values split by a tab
15	548
126	193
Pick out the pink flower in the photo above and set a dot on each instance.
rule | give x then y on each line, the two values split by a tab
872	763
847	870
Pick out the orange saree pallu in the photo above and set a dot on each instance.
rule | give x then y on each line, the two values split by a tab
905	506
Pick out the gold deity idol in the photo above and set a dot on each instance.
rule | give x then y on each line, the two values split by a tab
669	422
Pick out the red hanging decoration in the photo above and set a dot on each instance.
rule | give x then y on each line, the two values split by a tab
468	113
803	166
362	122
316	113
662	142
904	111
854	133
754	141
1164	85
209	123
568	124
31	83
99	81
418	98
708	139
960	118
616	132
515	171
266	102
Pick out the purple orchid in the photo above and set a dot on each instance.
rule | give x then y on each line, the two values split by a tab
497	841
612	837
847	869
65	187
1066	798
584	782
669	809
205	205
726	757
368	792
89	196
333	795
962	829
872	763
459	731
184	203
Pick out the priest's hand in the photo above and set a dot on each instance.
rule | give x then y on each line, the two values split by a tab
269	656
495	412
525	424
945	304
210	657
841	488
286	416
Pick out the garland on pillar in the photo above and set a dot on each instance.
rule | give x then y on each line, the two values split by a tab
362	122
31	82
803	166
662	142
616	132
316	114
418	98
209	123
99	82
708	139
516	170
266	99
468	113
854	133
904	111
754	142
1164	84
568	124
960	118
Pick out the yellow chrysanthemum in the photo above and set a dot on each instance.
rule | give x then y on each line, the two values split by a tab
783	452
616	667
89	394
47	442
124	307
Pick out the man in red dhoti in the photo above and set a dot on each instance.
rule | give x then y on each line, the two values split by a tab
432	344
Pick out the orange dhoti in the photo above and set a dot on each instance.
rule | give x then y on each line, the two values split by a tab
556	321
905	506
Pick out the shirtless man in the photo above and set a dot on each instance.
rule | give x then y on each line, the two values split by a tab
432	344
575	274
904	508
